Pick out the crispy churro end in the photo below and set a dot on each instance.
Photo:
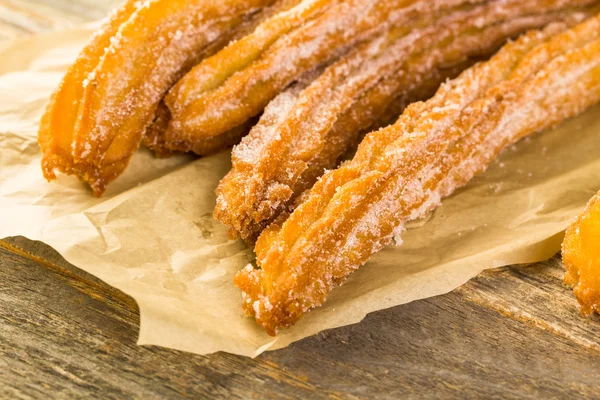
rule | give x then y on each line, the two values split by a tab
581	255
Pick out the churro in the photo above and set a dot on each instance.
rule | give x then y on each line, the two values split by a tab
402	172
318	125
97	117
154	136
581	255
210	101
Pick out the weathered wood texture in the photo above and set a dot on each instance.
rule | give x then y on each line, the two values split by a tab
511	333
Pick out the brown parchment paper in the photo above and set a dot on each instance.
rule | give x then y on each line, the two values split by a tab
153	235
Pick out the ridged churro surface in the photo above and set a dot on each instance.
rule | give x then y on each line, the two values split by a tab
99	114
304	132
236	84
402	172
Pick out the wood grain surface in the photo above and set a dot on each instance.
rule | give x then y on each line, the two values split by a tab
510	333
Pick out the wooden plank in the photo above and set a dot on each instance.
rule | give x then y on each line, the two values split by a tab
65	332
537	297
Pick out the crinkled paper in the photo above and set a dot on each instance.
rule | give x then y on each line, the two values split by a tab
152	235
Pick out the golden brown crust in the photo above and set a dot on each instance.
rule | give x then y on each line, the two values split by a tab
217	72
154	136
317	126
318	37
107	100
581	255
56	127
402	172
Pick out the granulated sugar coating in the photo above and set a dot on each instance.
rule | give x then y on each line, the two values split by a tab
300	41
402	172
291	146
96	119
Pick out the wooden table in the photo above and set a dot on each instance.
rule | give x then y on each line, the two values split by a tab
511	333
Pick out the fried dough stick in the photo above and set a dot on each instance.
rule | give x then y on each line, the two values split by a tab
153	138
302	135
56	127
213	71
204	106
96	118
581	255
402	172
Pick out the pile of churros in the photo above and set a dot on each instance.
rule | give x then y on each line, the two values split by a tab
349	118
